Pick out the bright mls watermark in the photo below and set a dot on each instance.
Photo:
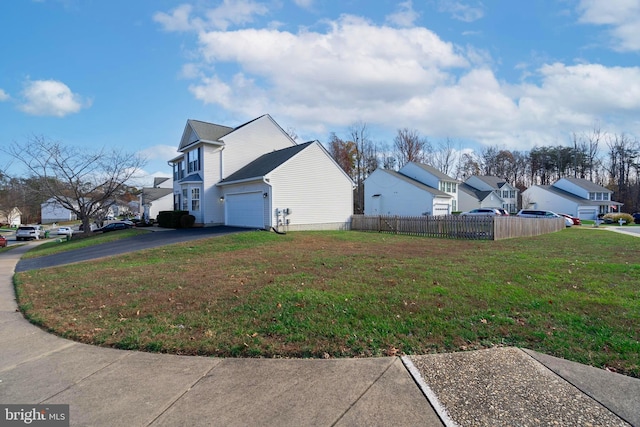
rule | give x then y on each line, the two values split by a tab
34	415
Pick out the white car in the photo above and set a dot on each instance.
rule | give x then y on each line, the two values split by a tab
482	212
29	232
535	213
64	231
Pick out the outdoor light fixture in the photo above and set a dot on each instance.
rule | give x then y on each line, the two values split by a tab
265	195
222	198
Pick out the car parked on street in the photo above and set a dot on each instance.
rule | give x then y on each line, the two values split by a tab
64	231
575	220
3	241
536	213
114	226
482	212
30	232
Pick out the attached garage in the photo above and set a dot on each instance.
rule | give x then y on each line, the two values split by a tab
245	210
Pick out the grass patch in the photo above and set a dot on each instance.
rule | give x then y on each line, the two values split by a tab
574	294
54	246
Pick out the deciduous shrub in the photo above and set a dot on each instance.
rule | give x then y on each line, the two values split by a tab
170	219
187	221
615	217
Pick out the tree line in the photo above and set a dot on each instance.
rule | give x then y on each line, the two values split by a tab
608	159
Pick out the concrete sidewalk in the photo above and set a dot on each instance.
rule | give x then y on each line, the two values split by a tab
108	387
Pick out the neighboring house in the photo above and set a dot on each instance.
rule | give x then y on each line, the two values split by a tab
487	192
255	175
416	189
157	198
52	211
13	217
574	196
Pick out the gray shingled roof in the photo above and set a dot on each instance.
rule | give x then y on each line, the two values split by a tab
265	163
207	132
435	172
151	194
194	178
493	181
418	184
588	185
478	194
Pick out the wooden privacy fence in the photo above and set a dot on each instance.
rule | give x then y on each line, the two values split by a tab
458	227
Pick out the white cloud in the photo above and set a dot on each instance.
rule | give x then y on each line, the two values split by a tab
3	95
317	81
461	11
50	98
226	14
405	16
177	20
305	4
621	16
159	152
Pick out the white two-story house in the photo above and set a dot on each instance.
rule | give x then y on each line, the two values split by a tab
416	189
488	192
574	196
254	175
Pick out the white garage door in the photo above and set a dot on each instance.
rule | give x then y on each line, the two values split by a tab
440	209
245	210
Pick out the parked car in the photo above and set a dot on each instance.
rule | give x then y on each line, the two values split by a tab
64	231
114	226
29	232
636	217
3	242
575	220
482	212
503	212
535	213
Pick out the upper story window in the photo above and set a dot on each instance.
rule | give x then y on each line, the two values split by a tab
447	187
194	158
592	196
178	171
605	196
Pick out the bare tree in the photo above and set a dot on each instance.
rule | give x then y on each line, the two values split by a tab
85	183
444	156
410	147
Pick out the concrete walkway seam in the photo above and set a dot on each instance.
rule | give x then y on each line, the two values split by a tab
428	393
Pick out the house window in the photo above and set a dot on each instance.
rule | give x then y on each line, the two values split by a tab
176	202
598	196
193	160
505	193
592	196
178	171
447	187
195	199
454	206
512	194
605	196
185	199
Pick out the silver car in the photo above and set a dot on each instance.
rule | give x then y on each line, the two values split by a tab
30	232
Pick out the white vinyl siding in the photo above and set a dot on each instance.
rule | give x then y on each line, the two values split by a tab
313	188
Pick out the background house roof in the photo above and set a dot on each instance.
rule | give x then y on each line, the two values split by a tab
265	163
416	183
493	181
587	185
435	172
478	194
157	181
151	194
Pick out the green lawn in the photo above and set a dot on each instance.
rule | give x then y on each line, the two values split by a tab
573	294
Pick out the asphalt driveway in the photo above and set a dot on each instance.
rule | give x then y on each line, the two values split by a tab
132	244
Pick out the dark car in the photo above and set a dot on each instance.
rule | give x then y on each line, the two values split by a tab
3	242
636	217
114	226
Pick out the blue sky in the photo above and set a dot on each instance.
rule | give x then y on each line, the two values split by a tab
128	74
